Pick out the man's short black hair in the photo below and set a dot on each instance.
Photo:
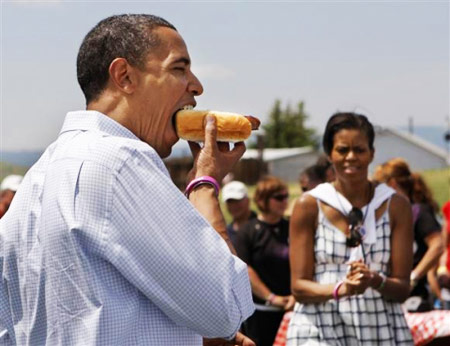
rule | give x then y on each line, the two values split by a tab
341	121
315	173
128	36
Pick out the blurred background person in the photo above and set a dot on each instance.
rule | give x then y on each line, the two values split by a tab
263	245
350	249
326	166
428	245
443	271
312	176
422	194
235	197
8	189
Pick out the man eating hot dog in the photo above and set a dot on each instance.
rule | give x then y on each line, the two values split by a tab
99	246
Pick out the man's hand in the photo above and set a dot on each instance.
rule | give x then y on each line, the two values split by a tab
239	340
214	159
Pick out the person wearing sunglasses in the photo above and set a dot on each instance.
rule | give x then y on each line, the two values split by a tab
263	245
350	249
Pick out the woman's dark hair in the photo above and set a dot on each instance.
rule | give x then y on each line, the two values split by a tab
128	36
345	121
421	193
266	188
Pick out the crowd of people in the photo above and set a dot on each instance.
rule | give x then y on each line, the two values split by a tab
363	249
99	247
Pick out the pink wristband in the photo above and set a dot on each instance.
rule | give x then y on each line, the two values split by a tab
336	290
199	181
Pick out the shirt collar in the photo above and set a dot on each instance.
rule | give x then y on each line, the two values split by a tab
95	121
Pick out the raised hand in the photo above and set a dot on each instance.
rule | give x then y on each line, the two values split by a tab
214	159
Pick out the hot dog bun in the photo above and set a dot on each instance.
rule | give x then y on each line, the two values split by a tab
231	127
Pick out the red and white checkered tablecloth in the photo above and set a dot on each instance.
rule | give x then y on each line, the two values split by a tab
425	326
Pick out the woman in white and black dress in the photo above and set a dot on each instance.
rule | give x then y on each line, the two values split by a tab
350	249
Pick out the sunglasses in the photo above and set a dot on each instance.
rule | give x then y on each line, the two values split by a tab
355	219
280	197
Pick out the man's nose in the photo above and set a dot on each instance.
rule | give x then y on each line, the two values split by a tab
195	86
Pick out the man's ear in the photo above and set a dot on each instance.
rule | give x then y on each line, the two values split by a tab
122	75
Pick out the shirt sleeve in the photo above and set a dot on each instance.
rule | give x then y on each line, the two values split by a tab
6	325
168	251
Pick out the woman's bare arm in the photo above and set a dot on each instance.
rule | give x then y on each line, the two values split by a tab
302	230
397	284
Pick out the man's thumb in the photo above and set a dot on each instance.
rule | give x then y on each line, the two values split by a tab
210	130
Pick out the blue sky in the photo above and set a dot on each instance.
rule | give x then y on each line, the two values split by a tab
389	60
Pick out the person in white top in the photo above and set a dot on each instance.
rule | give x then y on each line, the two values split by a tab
350	249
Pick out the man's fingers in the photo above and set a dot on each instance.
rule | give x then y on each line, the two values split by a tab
195	148
210	132
223	146
242	340
239	148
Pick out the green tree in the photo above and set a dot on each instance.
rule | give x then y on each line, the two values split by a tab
286	127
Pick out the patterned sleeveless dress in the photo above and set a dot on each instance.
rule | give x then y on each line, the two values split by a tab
365	319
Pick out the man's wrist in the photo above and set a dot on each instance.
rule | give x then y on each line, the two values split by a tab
203	180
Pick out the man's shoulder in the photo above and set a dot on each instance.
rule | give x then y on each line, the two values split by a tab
108	150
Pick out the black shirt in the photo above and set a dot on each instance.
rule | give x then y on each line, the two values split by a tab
425	223
232	234
265	248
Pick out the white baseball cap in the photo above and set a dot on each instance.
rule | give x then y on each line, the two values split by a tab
234	190
11	182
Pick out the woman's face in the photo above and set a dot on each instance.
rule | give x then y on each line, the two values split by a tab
351	154
278	202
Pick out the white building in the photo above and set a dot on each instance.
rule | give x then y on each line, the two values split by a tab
285	163
420	154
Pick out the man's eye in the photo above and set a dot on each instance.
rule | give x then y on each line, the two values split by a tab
179	68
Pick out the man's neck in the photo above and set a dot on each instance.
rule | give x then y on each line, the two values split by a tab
114	107
269	218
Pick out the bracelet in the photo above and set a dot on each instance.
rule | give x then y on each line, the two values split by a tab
336	290
383	282
199	181
270	298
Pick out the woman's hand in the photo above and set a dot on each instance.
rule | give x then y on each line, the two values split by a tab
290	303
285	302
358	278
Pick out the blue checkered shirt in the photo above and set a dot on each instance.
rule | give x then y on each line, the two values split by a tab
99	247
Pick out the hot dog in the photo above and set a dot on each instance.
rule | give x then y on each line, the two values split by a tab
231	127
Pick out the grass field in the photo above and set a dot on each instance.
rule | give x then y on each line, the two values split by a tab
7	169
438	180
